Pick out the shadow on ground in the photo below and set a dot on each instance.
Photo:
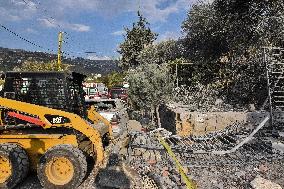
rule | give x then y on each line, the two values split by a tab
112	176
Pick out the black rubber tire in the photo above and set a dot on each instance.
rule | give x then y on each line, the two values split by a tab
74	155
19	161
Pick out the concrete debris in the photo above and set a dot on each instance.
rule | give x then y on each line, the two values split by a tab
278	146
261	183
263	168
134	125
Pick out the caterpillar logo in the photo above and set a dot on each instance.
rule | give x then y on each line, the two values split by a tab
56	119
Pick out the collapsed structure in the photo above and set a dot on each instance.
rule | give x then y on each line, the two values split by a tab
209	140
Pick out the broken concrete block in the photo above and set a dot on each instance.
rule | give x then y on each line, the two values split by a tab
261	183
278	146
158	156
134	125
263	168
139	151
152	161
146	155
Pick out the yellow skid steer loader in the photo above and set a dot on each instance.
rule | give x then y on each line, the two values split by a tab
46	127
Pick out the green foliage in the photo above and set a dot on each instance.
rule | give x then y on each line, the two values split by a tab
183	70
178	61
136	39
150	85
224	39
203	35
251	23
232	28
41	66
160	53
115	78
2	82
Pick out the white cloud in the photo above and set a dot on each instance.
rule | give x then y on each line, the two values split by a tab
47	22
118	33
15	10
95	57
31	30
151	9
168	35
54	23
79	27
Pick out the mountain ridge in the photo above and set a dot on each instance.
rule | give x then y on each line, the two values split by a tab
12	58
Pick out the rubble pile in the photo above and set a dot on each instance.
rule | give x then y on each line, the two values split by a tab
154	163
261	183
151	167
233	170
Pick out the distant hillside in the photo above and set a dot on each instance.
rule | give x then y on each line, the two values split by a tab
11	58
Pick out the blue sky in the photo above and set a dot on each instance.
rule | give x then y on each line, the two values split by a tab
90	25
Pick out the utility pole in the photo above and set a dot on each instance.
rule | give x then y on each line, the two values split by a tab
60	39
177	74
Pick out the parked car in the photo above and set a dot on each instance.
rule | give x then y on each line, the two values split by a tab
118	92
95	90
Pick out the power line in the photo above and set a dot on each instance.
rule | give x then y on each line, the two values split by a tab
24	39
49	18
53	21
70	38
30	42
44	10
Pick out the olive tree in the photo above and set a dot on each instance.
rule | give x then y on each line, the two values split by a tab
159	53
150	85
224	39
135	40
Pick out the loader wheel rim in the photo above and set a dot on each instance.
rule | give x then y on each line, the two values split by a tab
59	171
5	169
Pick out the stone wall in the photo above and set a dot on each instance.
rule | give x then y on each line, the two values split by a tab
184	123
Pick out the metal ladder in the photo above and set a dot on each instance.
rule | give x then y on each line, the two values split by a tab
274	60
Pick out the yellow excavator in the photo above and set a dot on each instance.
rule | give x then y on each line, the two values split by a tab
46	127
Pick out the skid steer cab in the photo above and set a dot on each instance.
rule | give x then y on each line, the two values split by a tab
46	127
